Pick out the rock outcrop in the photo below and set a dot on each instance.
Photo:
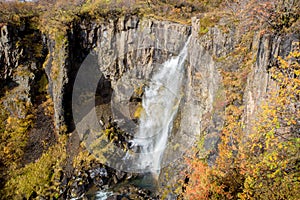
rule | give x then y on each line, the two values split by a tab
22	54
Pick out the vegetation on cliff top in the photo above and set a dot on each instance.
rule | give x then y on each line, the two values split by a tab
276	15
61	11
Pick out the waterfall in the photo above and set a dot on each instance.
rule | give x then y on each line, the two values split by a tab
160	104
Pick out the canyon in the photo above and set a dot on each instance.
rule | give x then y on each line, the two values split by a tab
97	74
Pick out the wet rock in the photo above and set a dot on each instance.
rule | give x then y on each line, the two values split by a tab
115	179
129	176
98	182
114	197
102	172
120	175
77	191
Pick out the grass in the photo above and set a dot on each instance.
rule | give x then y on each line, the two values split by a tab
207	22
39	178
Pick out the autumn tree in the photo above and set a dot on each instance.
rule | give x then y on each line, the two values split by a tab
270	157
262	164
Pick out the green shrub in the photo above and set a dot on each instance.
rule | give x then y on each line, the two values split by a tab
40	178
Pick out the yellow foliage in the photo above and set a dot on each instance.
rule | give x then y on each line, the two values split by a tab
262	164
274	168
82	159
138	112
13	139
41	176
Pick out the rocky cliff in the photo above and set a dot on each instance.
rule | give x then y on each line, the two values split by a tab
133	47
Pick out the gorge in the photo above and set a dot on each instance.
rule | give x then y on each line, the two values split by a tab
95	101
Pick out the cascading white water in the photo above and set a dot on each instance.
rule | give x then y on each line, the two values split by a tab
160	104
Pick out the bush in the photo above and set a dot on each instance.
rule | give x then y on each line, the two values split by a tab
262	164
41	178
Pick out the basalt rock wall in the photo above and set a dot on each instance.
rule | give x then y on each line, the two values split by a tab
134	48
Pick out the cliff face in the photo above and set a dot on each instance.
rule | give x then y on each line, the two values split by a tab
130	42
259	81
133	48
22	54
117	45
216	51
